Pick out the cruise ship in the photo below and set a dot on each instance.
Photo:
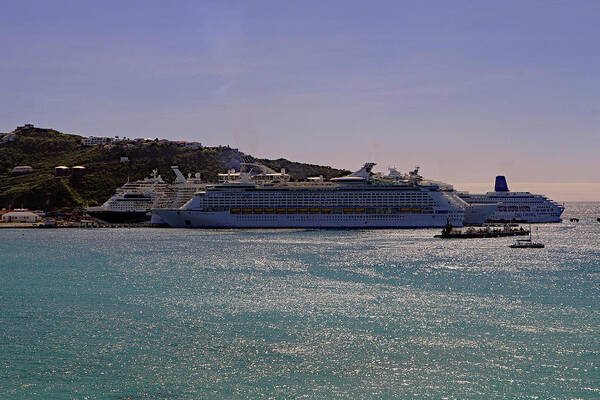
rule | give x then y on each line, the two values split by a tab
359	200
475	213
516	207
134	201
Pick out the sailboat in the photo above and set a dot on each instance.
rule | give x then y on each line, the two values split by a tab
527	243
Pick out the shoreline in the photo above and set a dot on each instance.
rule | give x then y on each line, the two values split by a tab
27	225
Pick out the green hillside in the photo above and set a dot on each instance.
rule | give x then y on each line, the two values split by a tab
44	149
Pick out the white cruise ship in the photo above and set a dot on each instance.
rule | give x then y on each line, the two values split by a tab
354	201
475	213
134	201
516	206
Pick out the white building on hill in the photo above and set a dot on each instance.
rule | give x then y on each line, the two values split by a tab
22	169
95	140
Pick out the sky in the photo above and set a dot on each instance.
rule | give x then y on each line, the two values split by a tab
465	89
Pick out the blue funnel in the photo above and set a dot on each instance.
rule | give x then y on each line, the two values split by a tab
501	185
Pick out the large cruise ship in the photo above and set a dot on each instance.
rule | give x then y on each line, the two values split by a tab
133	201
475	213
516	206
358	200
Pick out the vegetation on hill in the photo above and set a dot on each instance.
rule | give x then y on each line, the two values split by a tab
44	149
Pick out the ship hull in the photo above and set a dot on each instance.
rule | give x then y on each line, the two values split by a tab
510	211
116	217
179	218
478	214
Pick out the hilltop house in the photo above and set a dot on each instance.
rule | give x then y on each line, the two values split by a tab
22	169
95	140
193	145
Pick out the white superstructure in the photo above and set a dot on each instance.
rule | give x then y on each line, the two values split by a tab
257	173
353	201
516	206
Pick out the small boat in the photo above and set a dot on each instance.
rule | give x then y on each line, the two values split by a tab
527	243
48	224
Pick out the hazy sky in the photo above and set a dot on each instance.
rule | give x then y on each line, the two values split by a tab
465	89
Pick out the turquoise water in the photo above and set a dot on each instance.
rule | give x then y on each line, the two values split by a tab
178	314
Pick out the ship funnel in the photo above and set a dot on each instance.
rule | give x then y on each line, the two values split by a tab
501	185
180	178
365	171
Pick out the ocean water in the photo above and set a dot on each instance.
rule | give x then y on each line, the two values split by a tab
333	314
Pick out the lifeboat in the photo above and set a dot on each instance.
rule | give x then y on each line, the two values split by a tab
281	211
269	210
315	210
291	211
235	211
303	211
257	210
246	211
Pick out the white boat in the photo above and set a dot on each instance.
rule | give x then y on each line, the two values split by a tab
519	207
359	200
133	201
526	243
